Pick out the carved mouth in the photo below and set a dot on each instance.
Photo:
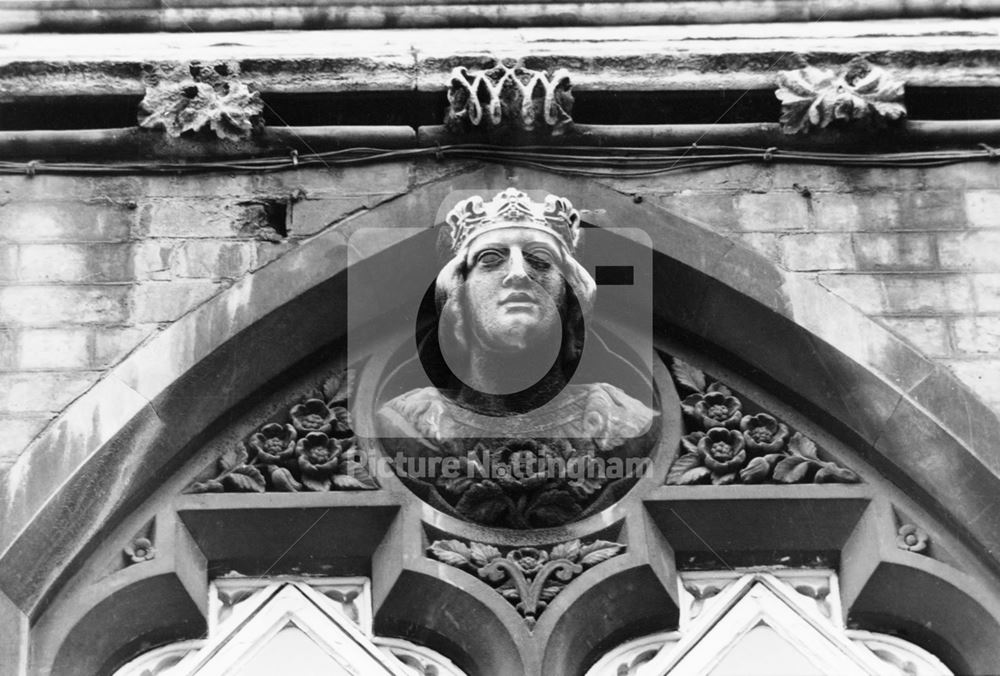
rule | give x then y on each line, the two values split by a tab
519	298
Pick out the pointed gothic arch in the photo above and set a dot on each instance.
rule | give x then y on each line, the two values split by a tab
89	479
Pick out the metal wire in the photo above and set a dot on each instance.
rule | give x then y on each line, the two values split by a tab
595	162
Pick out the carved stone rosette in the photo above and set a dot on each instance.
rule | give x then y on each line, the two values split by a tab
509	98
190	98
813	98
725	444
528	577
314	448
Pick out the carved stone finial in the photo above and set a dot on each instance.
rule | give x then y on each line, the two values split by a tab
528	577
812	98
511	98
190	98
910	538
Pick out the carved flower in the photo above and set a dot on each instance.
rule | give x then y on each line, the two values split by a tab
763	434
528	559
911	539
714	409
274	443
341	422
722	452
522	464
312	416
319	457
141	549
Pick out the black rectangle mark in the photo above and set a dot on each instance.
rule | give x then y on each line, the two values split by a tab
614	275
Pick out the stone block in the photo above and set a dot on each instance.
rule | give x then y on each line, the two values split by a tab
195	218
111	345
837	211
56	305
8	262
311	216
981	375
902	294
151	259
966	175
18	431
51	187
53	349
932	210
209	259
986	290
827	251
982	208
392	178
977	335
8	356
764	243
168	301
65	221
42	392
927	334
716	210
87	263
772	211
878	251
974	250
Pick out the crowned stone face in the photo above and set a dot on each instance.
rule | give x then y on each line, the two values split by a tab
514	291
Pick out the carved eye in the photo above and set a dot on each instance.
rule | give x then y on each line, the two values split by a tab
489	258
540	259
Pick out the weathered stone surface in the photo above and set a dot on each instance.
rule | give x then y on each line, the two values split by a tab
82	263
927	334
55	305
66	221
977	250
168	301
893	251
887	294
982	207
64	348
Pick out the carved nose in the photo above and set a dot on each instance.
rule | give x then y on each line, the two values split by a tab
516	272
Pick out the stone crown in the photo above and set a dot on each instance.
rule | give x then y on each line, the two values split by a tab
473	216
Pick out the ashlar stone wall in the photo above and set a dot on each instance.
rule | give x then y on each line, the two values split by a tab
91	267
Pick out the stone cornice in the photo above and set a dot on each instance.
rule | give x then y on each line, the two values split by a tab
200	15
682	58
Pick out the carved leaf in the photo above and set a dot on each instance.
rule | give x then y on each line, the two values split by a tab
245	479
831	473
338	387
793	469
598	551
355	476
232	458
757	471
688	375
210	486
687	470
452	552
314	483
802	445
482	554
282	480
724	479
566	550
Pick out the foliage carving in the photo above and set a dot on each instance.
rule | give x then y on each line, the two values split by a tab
813	98
313	449
528	577
724	444
190	98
